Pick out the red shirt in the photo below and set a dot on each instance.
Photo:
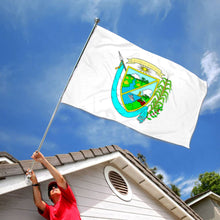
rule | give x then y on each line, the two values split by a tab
65	209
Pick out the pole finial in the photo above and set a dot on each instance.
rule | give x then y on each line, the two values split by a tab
97	20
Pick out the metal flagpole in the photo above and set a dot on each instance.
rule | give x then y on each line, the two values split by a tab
56	108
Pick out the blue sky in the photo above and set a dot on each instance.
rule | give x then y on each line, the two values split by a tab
40	43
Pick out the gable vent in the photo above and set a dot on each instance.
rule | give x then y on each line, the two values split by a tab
117	183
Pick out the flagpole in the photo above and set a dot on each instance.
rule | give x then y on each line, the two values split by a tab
57	106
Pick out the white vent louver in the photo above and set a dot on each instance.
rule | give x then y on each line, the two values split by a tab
117	183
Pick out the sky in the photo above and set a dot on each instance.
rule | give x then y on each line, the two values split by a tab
40	42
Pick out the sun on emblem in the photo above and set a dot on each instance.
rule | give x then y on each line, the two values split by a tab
143	68
143	89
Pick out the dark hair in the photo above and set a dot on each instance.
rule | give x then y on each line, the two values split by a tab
50	187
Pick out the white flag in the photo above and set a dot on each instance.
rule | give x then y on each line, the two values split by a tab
118	80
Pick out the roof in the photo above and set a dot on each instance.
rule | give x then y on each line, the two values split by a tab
123	159
201	196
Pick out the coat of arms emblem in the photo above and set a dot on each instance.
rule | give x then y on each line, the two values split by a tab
143	89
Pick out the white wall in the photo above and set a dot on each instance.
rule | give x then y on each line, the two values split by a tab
18	205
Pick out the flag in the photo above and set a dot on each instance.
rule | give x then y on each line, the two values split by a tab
120	81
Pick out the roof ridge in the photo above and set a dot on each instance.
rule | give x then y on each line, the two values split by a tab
9	156
196	196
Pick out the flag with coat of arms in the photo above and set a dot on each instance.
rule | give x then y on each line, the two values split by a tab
120	81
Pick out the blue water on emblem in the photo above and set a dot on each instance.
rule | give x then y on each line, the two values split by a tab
126	89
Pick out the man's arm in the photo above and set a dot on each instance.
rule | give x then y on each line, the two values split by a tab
39	157
36	191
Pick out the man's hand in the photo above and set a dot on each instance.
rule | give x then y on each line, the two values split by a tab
38	157
33	177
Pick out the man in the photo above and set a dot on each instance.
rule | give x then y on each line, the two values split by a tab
60	193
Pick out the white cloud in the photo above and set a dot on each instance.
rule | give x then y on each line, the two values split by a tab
105	9
212	103
185	185
166	176
178	180
101	132
11	138
211	69
23	12
204	29
203	35
147	92
136	76
155	7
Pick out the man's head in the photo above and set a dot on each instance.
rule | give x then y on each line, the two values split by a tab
53	192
